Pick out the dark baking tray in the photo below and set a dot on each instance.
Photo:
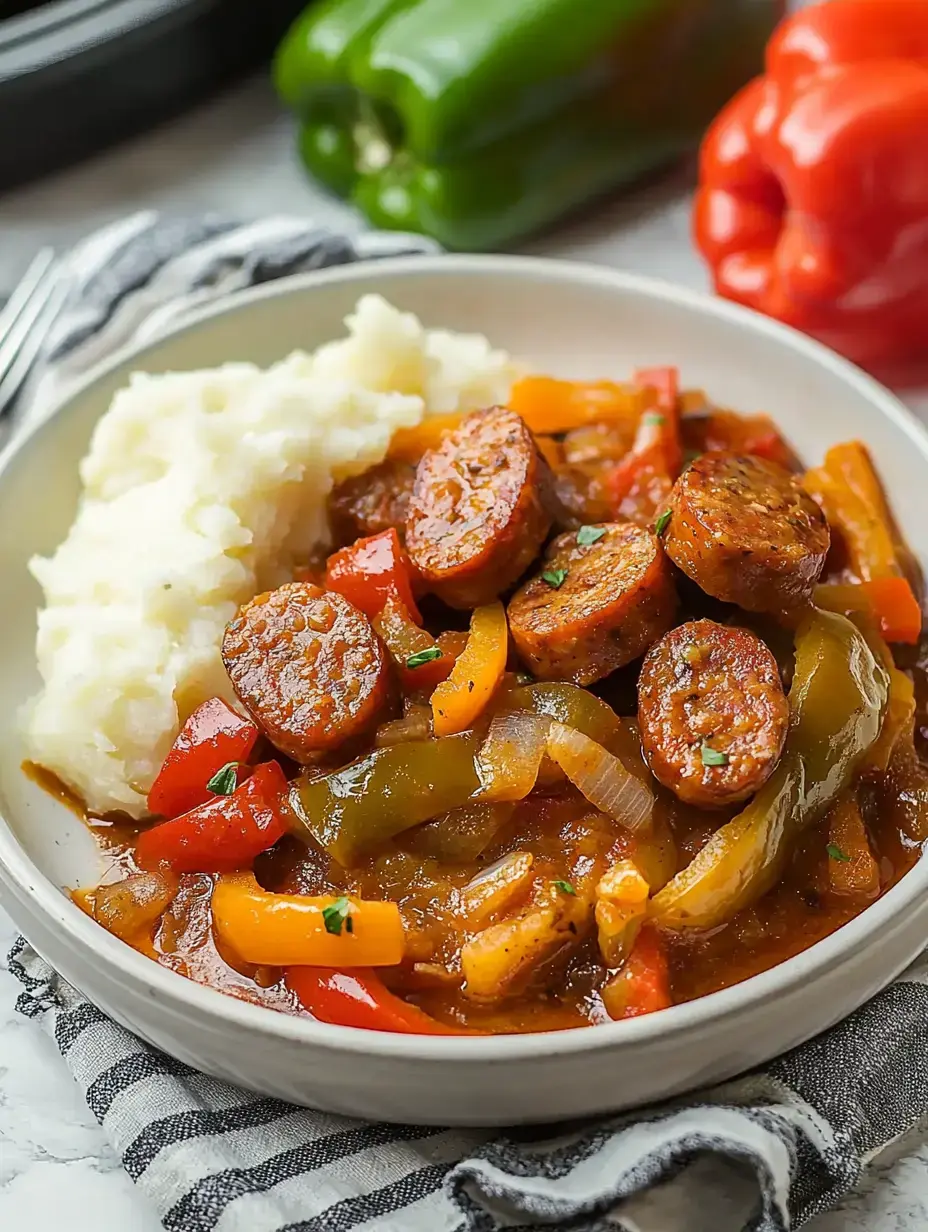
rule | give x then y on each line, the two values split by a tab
77	75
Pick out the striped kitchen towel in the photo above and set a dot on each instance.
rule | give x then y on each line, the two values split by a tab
761	1154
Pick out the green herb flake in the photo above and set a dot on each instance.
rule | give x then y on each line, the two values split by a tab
423	656
336	915
711	756
590	534
653	419
524	678
555	578
662	523
224	781
835	853
565	887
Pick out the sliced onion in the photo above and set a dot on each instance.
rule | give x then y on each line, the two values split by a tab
601	777
510	757
415	726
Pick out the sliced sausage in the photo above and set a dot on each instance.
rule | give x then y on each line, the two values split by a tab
712	713
580	496
594	607
374	501
308	666
746	532
478	514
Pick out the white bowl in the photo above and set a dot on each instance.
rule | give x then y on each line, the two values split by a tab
565	319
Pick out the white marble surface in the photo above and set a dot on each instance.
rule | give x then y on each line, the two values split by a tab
235	155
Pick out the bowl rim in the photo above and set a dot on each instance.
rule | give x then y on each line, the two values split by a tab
38	895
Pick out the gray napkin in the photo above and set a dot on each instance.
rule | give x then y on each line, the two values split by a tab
213	1157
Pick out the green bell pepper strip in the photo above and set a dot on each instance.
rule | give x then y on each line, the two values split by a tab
479	122
375	798
837	702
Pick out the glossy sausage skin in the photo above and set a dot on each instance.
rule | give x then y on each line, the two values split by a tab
371	502
745	531
308	666
617	597
479	510
708	690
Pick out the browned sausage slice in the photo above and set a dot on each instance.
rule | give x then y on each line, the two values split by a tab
478	514
712	713
745	531
308	666
595	607
371	502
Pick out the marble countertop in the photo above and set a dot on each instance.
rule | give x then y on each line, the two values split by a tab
235	155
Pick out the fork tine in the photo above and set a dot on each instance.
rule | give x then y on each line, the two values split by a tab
12	378
29	308
26	288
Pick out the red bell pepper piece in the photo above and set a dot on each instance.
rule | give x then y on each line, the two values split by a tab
213	736
225	834
371	571
643	984
638	487
359	998
813	199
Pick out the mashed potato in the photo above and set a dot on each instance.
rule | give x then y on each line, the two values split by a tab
200	489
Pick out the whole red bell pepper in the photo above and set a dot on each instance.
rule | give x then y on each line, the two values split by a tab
370	571
225	834
813	197
359	998
212	737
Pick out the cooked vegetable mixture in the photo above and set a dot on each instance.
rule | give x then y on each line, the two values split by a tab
598	704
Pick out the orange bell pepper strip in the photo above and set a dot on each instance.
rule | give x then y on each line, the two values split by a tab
370	571
212	737
890	601
643	984
359	998
409	444
226	833
849	491
283	930
476	674
550	406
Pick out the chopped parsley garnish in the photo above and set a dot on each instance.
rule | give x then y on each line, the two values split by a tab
711	756
662	522
590	534
555	577
423	656
224	781
654	419
835	853
565	887
337	914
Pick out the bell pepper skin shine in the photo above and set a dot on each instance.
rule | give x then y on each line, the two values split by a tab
479	122
813	200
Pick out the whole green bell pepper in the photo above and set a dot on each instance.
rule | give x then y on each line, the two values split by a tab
479	121
837	702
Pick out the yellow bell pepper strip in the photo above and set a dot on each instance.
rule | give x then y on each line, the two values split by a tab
390	790
476	674
890	601
852	868
282	930
550	406
837	703
849	490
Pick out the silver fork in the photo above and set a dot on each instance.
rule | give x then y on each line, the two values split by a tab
25	321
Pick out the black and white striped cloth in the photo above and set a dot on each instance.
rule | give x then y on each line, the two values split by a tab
770	1150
